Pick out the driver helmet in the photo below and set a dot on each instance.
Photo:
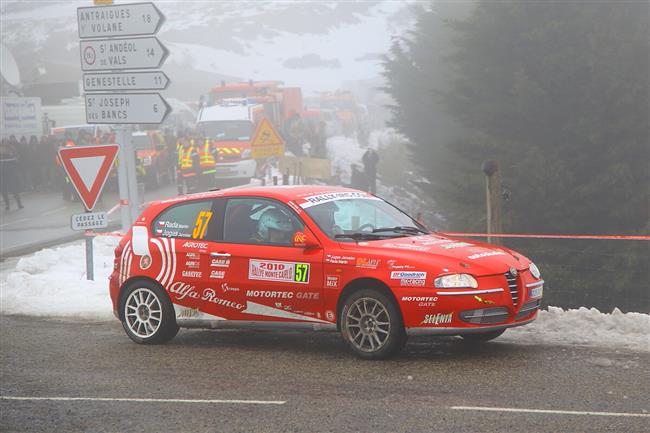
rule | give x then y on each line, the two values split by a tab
273	219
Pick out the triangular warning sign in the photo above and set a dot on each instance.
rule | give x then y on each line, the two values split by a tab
88	168
266	135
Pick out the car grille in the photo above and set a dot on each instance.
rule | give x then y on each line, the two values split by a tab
528	308
485	315
512	286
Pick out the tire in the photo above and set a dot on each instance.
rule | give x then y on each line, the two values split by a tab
147	314
371	325
482	336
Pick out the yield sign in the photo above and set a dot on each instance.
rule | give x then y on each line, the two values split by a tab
88	168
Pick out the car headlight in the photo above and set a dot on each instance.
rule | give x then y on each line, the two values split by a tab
246	154
455	281
534	270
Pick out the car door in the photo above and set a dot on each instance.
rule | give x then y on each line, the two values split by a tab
279	281
187	235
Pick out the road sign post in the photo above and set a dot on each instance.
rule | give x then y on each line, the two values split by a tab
108	57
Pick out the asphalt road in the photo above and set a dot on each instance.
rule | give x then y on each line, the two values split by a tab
290	381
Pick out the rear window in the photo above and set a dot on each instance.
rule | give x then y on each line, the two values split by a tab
191	220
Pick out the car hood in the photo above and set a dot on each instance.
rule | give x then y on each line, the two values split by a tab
442	254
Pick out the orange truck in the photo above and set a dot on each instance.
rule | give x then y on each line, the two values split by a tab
231	115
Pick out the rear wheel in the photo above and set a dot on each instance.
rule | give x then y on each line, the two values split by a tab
482	336
148	315
371	325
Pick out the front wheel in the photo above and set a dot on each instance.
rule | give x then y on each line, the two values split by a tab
482	336
148	315
371	325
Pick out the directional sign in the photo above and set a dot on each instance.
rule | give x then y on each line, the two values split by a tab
88	168
119	20
149	80
89	221
126	108
118	54
266	141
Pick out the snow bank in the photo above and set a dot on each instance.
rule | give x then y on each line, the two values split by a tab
585	326
52	282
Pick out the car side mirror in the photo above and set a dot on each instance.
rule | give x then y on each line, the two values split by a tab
305	240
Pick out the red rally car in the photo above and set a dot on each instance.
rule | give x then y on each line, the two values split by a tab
318	257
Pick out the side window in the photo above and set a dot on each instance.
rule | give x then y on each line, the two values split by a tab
193	220
260	221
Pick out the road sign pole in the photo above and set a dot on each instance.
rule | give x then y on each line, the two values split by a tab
90	268
122	180
132	178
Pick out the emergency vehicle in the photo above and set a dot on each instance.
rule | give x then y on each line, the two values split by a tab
231	115
313	257
154	164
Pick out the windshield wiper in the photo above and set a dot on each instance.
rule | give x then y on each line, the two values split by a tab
359	236
405	229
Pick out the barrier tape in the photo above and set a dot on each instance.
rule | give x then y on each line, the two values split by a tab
538	236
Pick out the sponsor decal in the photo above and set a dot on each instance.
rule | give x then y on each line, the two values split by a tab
183	290
332	281
279	294
225	288
363	262
278	271
192	274
339	260
452	245
188	313
403	275
392	264
422	301
192	264
410	247
197	245
145	262
333	196
299	239
210	295
220	263
412	282
217	274
486	254
193	256
329	315
483	301
437	319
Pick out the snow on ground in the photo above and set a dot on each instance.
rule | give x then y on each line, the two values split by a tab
52	283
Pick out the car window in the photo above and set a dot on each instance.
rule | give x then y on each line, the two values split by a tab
191	220
260	221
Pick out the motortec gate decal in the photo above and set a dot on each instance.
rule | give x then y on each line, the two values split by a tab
278	271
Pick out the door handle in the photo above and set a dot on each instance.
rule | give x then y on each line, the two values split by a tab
220	254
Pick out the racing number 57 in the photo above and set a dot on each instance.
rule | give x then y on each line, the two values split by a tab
201	225
302	273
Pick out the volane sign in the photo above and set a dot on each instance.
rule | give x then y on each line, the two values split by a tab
147	80
88	168
266	142
119	20
118	54
125	108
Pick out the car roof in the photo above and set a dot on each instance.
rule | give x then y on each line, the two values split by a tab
283	193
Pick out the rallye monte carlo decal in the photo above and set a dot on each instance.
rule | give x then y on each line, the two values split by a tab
379	278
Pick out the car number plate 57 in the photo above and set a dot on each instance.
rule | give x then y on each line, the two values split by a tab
536	292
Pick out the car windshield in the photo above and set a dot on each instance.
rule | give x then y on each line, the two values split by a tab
362	218
234	130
